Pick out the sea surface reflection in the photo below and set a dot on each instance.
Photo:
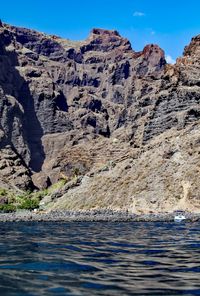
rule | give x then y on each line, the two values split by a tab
99	258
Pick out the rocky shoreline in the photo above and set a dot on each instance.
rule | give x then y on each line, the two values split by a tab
92	216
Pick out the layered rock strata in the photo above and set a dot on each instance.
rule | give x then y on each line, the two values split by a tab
125	121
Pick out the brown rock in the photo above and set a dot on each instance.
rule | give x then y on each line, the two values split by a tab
41	180
3	200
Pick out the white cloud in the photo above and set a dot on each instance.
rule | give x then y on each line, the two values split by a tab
138	13
153	32
169	59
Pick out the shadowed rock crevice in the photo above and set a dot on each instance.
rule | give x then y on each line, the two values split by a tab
21	115
33	128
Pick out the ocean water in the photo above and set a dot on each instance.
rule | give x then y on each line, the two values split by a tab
99	259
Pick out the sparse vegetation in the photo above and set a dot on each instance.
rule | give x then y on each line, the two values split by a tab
7	208
57	185
26	200
3	192
29	204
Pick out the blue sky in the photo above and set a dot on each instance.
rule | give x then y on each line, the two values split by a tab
171	24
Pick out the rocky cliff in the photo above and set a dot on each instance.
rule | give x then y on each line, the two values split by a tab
122	125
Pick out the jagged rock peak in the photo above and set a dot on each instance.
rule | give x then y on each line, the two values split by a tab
154	54
152	48
106	40
193	48
98	31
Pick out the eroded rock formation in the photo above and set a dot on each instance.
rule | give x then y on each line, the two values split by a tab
126	121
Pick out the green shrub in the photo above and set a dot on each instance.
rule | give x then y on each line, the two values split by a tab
39	194
29	204
7	208
3	192
56	186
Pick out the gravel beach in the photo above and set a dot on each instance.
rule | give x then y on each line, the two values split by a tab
92	216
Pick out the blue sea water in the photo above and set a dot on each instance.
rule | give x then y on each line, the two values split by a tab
99	259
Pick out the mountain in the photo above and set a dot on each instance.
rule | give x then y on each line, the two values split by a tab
121	127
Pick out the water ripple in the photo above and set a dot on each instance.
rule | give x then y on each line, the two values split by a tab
99	259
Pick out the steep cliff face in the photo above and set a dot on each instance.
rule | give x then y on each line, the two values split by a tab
71	107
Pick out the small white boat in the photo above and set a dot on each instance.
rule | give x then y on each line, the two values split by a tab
179	218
